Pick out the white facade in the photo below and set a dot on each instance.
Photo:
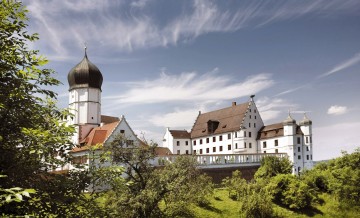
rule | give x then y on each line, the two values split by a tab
176	142
85	104
251	137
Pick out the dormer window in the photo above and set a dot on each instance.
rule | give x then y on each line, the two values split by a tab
212	125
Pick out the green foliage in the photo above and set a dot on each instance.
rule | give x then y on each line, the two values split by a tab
272	166
177	184
236	185
341	177
32	128
290	191
256	205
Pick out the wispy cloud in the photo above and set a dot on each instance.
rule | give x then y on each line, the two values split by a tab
190	87
176	119
67	24
337	110
272	108
342	66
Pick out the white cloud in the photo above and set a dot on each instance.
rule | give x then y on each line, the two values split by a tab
190	87
65	24
337	110
346	64
176	119
273	108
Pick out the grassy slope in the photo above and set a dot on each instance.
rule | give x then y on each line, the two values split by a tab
223	206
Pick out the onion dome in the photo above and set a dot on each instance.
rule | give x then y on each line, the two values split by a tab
289	120
305	121
85	75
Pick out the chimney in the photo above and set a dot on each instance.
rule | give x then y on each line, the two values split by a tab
233	103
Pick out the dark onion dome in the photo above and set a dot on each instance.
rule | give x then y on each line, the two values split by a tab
289	121
85	74
305	121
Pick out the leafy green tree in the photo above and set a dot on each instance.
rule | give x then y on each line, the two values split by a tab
176	185
236	185
290	191
272	166
256	205
32	128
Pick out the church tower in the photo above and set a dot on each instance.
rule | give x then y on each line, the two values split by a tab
85	81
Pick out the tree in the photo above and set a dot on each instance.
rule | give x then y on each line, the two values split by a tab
290	191
32	128
175	186
236	185
256	205
272	166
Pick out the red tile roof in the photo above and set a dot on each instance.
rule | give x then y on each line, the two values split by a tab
180	134
230	119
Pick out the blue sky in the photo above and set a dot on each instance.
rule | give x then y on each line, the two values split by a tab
164	60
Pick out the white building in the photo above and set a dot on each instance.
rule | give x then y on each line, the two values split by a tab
177	141
239	129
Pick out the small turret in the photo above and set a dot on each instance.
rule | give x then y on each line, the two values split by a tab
306	121
289	126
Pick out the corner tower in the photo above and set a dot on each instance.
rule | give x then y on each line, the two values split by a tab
85	81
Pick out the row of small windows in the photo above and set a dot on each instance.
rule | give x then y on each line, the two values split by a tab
207	150
254	110
178	143
307	139
220	138
254	117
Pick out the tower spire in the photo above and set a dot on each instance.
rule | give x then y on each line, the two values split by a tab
85	48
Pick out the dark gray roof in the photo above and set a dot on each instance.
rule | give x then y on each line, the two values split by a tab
85	74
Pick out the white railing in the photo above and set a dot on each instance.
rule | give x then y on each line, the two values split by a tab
220	159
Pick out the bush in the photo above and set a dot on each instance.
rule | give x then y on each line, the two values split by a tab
257	205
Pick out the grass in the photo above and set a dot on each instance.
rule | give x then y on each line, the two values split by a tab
223	206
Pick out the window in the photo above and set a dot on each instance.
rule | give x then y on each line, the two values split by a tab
299	149
250	145
299	169
207	150
307	139
264	144
200	142
186	142
310	139
129	142
254	110
264	152
220	148
122	131
298	140
244	133
79	160
250	109
249	134
276	151
276	142
194	151
220	138
299	157
187	152
307	148
214	139
229	136
178	151
200	151
254	125
249	125
311	157
177	143
207	140
235	134
250	116
92	118
307	157
255	117
244	144
235	145
229	147
194	142
214	149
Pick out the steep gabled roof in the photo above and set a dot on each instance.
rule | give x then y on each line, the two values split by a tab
230	119
180	134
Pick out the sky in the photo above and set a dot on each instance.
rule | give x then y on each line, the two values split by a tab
163	61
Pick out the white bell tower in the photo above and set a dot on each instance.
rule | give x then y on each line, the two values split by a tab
85	81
